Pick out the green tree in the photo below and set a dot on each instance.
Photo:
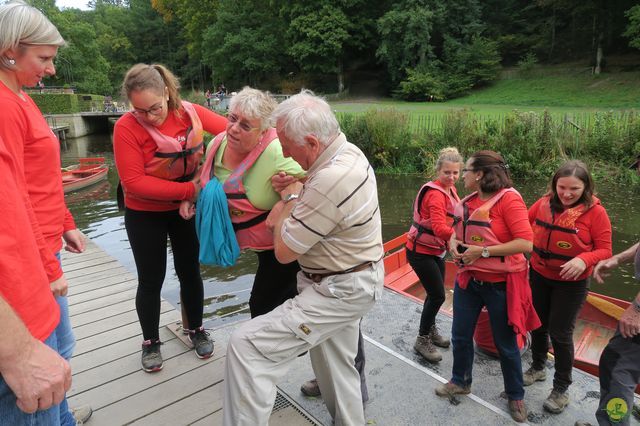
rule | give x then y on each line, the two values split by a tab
633	28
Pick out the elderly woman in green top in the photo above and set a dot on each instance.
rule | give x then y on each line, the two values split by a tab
243	159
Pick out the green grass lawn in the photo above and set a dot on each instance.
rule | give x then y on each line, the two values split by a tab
560	94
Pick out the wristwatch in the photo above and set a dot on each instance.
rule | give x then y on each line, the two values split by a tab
636	305
485	252
290	197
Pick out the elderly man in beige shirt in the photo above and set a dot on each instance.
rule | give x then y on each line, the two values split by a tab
332	227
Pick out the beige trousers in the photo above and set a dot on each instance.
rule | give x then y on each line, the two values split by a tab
323	319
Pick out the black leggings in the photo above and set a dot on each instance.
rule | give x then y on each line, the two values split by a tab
147	232
557	304
430	271
274	283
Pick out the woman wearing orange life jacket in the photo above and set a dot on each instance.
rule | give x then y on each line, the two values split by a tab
490	238
157	148
427	244
572	232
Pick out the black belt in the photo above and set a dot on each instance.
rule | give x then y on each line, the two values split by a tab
316	278
499	285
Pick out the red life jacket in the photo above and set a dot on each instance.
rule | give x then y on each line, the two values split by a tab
555	238
475	229
421	231
174	160
248	221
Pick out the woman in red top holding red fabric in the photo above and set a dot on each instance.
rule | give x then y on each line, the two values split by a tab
158	147
491	236
572	232
427	242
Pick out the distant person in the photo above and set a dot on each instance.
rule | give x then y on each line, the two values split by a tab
29	43
157	147
571	233
33	377
334	231
40	86
222	92
492	234
427	244
207	95
243	159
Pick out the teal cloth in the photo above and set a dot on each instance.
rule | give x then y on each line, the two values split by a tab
218	244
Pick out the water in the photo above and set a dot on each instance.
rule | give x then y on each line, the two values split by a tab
227	289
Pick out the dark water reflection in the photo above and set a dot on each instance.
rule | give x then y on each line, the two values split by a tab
227	289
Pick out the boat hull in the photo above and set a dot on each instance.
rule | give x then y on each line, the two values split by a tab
89	172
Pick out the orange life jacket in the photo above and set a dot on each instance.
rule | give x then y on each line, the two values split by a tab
248	221
475	229
555	237
421	231
176	160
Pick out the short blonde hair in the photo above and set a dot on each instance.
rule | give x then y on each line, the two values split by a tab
254	103
21	24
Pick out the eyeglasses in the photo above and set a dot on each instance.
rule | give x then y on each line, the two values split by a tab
233	119
154	110
467	170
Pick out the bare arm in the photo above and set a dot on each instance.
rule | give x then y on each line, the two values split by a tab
604	267
276	218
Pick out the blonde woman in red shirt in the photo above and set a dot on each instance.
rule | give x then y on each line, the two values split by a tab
158	147
571	234
427	244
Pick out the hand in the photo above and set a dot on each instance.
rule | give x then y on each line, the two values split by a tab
75	241
630	322
603	268
274	215
39	377
59	287
281	180
293	188
572	269
471	254
453	247
187	209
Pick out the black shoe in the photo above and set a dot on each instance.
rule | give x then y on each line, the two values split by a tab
151	356
202	344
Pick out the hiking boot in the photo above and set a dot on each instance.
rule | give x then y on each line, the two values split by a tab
556	402
202	344
518	410
310	388
424	346
437	338
532	375
81	414
450	389
151	356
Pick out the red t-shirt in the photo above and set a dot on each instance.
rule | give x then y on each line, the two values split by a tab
434	206
23	282
36	151
594	227
133	147
509	220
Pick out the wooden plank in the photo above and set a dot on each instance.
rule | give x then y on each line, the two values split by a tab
78	287
99	276
89	360
214	419
118	334
90	270
102	292
98	302
188	410
102	313
126	396
84	257
123	319
87	262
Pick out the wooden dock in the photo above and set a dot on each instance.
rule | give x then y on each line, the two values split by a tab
107	374
106	363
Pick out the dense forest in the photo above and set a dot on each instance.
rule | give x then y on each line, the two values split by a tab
413	49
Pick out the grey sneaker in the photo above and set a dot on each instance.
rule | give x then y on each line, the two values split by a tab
151	356
437	338
518	410
202	344
424	346
556	402
81	414
310	388
532	375
450	389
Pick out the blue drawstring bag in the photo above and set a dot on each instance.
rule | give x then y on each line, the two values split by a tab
218	244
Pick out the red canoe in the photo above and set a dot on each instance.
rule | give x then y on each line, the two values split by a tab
90	171
596	322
